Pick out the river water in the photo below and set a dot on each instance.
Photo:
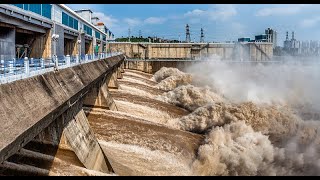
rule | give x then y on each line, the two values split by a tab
168	124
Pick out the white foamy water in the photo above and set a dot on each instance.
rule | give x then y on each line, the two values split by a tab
136	91
135	74
137	160
145	112
62	168
240	138
266	138
129	79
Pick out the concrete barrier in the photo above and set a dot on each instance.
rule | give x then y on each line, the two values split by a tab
28	106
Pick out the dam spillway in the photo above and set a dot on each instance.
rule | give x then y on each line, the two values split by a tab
98	110
130	121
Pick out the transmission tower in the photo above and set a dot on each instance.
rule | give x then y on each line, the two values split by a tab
188	39
202	36
129	32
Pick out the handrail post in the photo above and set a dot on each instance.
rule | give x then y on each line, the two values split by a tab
26	66
42	63
11	66
68	60
77	59
56	63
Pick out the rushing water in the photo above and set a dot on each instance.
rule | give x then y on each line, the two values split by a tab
137	139
168	124
177	123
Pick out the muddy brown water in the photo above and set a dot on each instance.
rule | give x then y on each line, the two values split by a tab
135	139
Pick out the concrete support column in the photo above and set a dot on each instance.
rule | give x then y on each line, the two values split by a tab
122	68
113	83
83	142
119	74
68	60
99	98
26	65
7	43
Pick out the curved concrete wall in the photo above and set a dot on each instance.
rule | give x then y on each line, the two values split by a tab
28	106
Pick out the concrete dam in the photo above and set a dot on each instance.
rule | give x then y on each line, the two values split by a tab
250	51
72	102
119	116
53	125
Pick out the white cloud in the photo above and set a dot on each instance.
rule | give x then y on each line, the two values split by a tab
132	21
224	11
307	23
195	12
282	10
217	12
154	20
109	21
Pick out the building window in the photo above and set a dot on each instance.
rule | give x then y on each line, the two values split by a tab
65	19
46	10
75	24
104	37
87	30
36	8
19	5
69	21
97	35
26	7
41	9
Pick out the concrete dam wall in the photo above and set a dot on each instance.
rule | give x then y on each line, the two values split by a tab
253	51
48	109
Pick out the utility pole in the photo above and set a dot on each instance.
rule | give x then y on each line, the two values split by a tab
179	39
202	36
129	32
139	33
188	39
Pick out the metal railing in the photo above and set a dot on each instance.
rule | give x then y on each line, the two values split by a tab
15	69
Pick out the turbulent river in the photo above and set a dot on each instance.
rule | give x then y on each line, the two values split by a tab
170	124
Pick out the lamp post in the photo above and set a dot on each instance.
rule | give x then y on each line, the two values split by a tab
55	38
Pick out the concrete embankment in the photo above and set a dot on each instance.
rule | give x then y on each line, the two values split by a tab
30	105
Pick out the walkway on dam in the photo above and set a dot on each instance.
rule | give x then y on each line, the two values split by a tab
15	69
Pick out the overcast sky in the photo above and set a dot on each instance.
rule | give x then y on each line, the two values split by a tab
220	22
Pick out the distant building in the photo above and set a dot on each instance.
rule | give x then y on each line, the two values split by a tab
261	38
271	37
85	14
244	39
54	28
292	46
